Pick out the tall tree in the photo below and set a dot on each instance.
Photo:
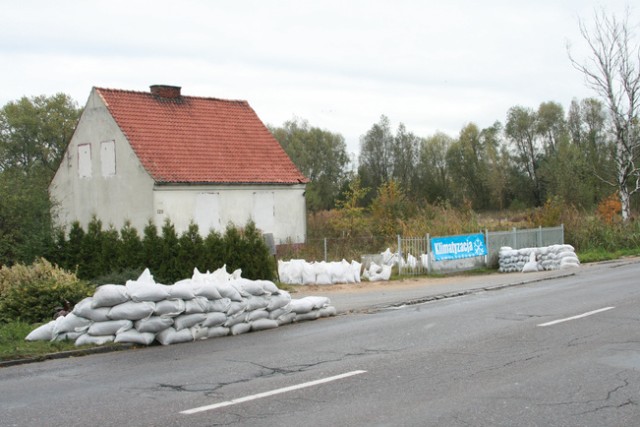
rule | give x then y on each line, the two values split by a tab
613	72
406	147
521	129
432	171
376	159
320	155
551	125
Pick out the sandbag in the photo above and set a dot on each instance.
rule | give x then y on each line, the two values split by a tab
87	339
256	315
257	302
279	312
208	290
85	309
317	302
68	336
312	315
237	307
199	332
71	323
220	305
218	331
262	324
227	291
146	291
132	310
235	319
279	300
286	318
214	319
328	311
196	305
300	306
171	336
154	324
169	307
109	327
268	286
42	333
247	287
183	289
188	320
110	295
240	328
135	337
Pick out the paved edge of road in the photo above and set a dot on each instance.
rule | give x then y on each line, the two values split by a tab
371	309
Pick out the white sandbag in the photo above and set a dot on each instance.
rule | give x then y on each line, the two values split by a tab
569	263
268	286
169	307
240	328
188	320
283	271
317	302
328	311
348	272
135	337
154	324
71	323
279	301
218	331
532	265
300	306
196	305
338	272
208	290
227	291
143	291
220	275
263	324
171	336
312	315
214	319
294	271
234	320
199	332
356	268
322	273
109	327
236	307
279	312
256	315
68	336
85	309
308	274
220	305
285	319
42	333
257	302
184	289
86	339
132	310
247	287
109	295
237	274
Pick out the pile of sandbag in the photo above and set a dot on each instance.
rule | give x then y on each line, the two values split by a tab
537	259
207	305
301	272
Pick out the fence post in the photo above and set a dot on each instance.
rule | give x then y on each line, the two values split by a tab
562	230
539	236
399	255
428	253
486	242
515	238
325	249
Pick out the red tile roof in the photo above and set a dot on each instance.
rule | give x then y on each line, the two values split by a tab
200	140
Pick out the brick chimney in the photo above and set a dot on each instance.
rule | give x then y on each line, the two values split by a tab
165	91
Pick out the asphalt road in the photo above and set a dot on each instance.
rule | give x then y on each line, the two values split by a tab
559	352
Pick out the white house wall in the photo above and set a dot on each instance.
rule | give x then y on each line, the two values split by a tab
279	210
101	175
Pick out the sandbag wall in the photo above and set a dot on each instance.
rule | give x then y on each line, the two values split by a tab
301	272
205	306
537	259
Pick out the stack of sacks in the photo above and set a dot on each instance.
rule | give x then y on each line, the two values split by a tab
377	273
537	259
205	306
300	272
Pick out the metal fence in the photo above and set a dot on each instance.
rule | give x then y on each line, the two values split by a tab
518	239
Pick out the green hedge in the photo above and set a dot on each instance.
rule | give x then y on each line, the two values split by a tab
97	253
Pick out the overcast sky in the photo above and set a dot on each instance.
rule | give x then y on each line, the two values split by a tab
432	65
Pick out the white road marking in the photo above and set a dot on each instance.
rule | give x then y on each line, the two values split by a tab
580	316
270	393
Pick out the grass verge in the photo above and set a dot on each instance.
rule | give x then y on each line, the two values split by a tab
597	255
13	346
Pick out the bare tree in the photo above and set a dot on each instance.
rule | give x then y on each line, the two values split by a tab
613	71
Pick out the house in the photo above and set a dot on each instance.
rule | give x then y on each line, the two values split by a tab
141	156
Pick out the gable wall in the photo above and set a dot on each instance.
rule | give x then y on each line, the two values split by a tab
100	175
280	210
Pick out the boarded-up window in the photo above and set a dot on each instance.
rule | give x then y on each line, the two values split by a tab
207	214
84	160
264	210
108	158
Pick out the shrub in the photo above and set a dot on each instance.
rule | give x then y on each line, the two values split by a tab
33	293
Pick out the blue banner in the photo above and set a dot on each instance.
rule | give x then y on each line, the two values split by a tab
457	247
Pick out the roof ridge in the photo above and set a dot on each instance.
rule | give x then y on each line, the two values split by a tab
147	93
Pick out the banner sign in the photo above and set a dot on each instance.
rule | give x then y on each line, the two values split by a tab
457	247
